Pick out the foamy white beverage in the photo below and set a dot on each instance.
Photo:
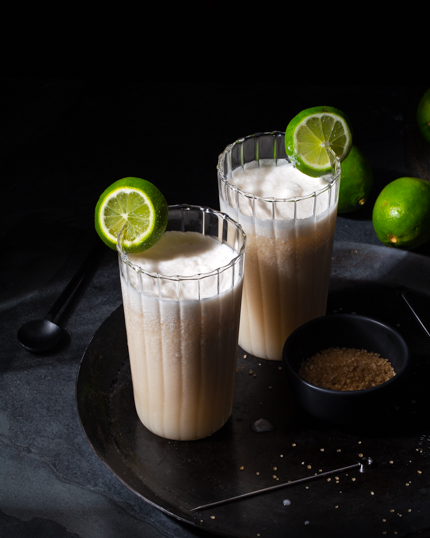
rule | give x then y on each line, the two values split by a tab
289	219
182	332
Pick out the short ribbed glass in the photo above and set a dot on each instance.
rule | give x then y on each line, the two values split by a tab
182	333
289	246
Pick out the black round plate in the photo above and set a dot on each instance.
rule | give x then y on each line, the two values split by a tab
177	476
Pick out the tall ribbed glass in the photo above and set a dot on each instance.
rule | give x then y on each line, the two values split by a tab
289	247
182	333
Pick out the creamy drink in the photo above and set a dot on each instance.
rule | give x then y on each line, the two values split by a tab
289	219
182	302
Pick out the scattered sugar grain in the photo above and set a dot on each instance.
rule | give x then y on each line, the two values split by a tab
346	369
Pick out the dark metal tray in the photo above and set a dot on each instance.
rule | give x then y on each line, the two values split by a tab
174	476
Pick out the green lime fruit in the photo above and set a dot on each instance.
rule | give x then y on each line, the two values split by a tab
356	181
423	115
313	134
401	214
135	204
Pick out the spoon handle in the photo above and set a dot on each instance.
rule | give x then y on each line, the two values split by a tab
76	279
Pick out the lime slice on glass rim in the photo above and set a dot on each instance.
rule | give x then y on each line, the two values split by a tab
312	136
135	205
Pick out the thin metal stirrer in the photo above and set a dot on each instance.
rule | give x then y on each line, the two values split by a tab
402	291
360	465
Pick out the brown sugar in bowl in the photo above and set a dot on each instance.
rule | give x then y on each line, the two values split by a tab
351	332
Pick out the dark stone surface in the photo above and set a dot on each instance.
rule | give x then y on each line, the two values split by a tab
62	142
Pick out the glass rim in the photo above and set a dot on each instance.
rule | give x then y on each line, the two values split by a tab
198	276
271	199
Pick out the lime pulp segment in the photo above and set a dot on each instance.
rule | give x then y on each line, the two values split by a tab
127	207
317	133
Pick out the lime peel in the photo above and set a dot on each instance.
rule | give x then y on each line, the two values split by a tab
423	115
356	181
401	214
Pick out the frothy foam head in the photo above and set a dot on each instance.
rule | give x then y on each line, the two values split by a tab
281	181
183	254
277	190
183	265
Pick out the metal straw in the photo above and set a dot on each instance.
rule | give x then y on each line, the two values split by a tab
359	465
402	291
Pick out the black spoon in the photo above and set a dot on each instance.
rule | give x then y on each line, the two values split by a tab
43	334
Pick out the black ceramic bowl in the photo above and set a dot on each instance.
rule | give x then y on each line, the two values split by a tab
350	331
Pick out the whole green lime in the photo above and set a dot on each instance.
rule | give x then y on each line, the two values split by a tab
423	115
401	214
356	181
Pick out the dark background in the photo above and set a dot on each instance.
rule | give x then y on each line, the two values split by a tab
102	94
64	140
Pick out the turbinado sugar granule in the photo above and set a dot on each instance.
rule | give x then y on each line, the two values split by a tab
346	369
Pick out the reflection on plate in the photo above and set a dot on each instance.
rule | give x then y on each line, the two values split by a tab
176	476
